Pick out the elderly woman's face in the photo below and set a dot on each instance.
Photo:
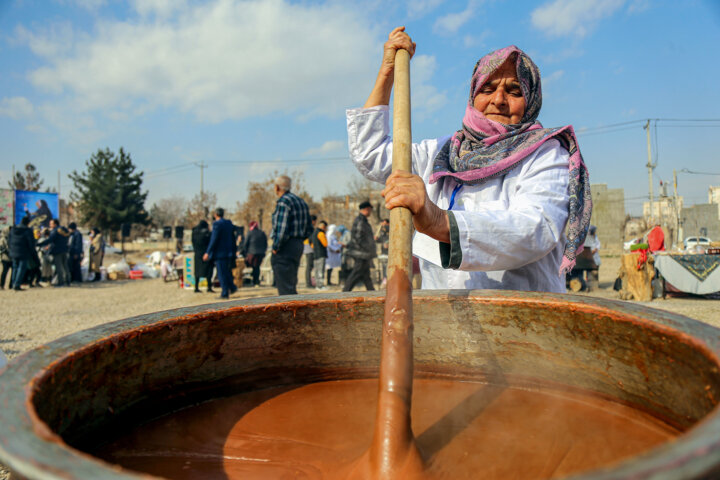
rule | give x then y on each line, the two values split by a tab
500	98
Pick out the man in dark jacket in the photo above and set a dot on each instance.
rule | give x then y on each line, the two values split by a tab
21	245
254	249
200	241
222	250
58	241
75	253
361	249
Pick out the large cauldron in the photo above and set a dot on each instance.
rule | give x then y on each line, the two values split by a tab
72	390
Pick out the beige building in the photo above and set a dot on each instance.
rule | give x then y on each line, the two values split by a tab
666	213
663	209
608	215
714	195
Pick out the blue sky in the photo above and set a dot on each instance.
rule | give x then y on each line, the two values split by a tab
252	86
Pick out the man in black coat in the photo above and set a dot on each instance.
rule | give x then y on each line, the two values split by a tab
200	242
361	249
75	253
58	241
21	245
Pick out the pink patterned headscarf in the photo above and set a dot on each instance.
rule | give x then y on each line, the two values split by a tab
484	149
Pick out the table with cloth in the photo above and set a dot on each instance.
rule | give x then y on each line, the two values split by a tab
696	274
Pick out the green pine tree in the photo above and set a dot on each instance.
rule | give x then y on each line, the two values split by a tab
109	192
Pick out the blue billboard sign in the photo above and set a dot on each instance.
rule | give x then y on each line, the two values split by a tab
40	206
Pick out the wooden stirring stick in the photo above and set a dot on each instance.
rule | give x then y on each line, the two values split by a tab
393	453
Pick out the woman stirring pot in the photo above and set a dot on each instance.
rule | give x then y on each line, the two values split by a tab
490	203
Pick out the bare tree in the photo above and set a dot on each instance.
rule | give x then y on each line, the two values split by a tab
360	188
168	211
200	208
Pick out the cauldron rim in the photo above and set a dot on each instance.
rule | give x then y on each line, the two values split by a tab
28	447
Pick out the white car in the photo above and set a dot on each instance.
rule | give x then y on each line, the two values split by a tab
692	242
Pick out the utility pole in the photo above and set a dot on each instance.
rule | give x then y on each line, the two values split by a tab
202	166
650	167
678	229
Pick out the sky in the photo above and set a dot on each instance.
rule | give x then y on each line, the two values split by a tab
250	87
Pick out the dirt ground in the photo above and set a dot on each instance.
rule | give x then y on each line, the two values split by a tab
36	316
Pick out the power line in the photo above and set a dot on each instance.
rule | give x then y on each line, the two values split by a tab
614	127
182	168
298	161
685	170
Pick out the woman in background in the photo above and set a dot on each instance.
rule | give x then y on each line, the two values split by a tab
97	252
334	251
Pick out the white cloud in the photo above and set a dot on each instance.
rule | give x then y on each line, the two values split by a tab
552	78
91	5
638	6
449	24
475	41
572	17
420	8
331	146
225	59
161	8
56	41
16	107
424	96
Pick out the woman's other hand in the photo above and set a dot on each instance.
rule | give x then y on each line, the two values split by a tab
397	39
403	189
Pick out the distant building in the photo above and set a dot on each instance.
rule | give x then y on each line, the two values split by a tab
667	213
608	215
702	220
714	195
663	209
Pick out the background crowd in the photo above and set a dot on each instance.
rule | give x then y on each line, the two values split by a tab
56	255
59	256
295	235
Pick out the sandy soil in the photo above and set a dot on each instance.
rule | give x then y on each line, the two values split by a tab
36	316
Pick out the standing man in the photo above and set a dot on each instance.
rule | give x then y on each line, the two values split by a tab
290	227
222	250
200	241
361	249
319	244
58	241
21	245
75	253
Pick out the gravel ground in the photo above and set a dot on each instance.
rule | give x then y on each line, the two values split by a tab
36	316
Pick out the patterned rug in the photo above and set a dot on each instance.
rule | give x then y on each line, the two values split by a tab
699	265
